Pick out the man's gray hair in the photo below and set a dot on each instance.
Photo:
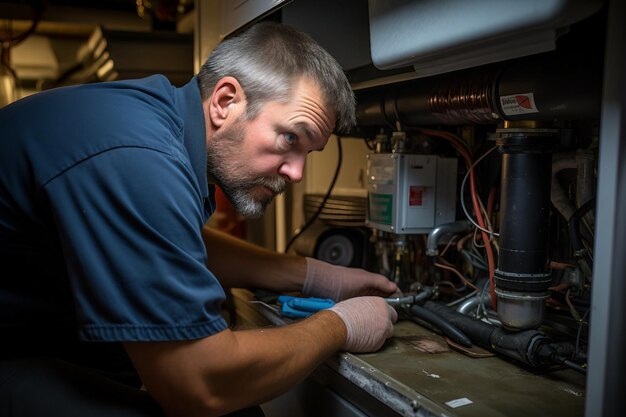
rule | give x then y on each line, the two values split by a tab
267	59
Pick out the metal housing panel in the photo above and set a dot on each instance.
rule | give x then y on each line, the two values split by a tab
443	36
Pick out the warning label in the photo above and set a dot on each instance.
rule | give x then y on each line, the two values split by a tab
518	104
416	196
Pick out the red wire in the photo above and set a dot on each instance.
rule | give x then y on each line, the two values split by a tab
462	149
488	249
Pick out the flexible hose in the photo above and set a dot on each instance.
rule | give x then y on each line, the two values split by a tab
440	323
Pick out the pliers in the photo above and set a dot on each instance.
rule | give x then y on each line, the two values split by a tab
299	307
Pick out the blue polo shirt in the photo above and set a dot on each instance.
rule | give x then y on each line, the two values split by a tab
103	195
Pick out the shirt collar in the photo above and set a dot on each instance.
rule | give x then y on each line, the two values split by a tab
194	136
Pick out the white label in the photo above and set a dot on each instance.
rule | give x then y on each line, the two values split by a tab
518	104
459	402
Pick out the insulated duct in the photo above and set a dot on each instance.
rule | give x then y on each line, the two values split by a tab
544	87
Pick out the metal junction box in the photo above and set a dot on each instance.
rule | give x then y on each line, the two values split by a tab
410	193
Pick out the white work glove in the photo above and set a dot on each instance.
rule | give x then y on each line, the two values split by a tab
324	280
369	321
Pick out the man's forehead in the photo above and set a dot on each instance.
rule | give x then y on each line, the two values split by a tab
310	101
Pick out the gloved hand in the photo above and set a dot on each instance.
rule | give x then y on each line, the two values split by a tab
369	321
324	280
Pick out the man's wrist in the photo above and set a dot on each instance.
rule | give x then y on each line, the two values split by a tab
335	327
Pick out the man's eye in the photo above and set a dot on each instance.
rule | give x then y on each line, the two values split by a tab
290	138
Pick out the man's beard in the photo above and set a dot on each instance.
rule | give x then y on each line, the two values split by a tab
231	173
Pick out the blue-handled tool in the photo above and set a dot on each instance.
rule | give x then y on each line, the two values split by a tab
298	307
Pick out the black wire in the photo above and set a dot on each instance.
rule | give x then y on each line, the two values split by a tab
574	224
570	364
575	366
8	42
578	334
321	207
38	8
369	146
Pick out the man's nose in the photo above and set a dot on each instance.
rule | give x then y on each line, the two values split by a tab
293	168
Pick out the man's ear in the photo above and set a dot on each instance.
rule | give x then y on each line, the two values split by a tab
226	100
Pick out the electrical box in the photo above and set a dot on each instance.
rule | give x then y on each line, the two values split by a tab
410	193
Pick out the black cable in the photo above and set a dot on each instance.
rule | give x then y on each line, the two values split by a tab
569	364
578	334
581	253
326	197
447	328
7	42
574	224
38	8
369	146
575	366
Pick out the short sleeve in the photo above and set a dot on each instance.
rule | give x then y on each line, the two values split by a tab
130	221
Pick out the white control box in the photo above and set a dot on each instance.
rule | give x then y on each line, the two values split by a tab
410	194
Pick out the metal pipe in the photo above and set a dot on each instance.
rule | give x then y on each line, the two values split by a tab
420	297
472	303
442	230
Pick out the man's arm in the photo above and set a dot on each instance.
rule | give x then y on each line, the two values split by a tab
240	264
232	370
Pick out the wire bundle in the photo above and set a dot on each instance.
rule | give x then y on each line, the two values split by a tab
482	221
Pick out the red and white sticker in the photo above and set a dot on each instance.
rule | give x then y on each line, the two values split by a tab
518	104
416	195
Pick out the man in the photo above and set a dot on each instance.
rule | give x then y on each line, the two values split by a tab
104	191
